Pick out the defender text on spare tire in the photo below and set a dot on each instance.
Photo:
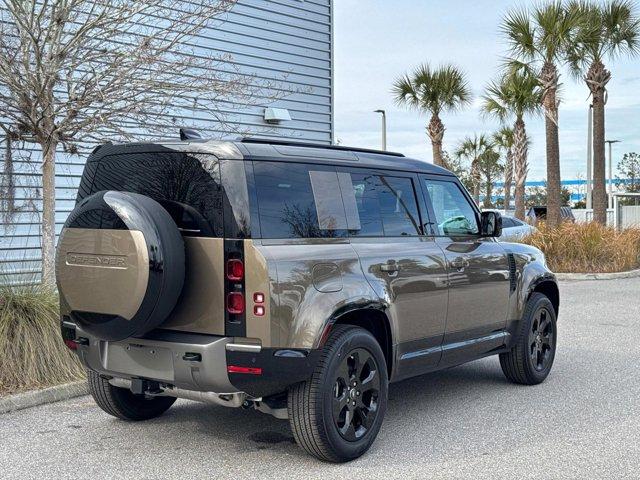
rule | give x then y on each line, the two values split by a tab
296	279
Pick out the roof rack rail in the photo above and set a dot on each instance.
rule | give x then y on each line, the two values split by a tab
293	143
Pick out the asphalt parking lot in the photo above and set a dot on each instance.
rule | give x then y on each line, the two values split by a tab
467	422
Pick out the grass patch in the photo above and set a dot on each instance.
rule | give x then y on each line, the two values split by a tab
587	247
32	353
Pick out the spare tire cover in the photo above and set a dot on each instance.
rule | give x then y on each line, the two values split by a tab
120	264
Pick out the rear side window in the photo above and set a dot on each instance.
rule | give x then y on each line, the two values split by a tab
187	185
386	205
299	200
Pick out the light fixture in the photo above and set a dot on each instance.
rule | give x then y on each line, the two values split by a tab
276	115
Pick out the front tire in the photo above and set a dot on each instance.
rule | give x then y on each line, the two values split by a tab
531	358
123	404
337	413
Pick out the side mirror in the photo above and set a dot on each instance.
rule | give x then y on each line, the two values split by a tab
491	224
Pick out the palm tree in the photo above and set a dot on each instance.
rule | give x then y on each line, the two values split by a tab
490	168
472	149
606	32
539	39
503	139
516	94
433	91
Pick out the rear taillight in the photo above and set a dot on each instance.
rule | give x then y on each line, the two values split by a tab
234	289
235	269
235	303
71	344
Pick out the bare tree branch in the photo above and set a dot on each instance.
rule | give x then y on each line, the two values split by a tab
74	72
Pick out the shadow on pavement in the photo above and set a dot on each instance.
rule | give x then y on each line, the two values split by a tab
248	430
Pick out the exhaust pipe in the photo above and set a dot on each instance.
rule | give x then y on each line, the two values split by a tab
233	400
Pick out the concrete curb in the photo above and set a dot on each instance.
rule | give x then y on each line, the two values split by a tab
34	398
598	276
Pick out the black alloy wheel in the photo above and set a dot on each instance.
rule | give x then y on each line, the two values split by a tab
531	357
541	339
355	394
337	413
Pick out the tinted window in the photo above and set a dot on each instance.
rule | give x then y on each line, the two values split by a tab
386	205
454	214
299	201
508	222
186	185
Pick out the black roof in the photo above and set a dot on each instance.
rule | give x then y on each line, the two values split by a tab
293	151
284	141
283	150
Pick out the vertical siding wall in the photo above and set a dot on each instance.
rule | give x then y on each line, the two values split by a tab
286	42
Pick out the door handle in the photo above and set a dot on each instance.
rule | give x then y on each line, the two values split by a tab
460	263
390	267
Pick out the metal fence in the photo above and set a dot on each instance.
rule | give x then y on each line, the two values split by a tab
627	210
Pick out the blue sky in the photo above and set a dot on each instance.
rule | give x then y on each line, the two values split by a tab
377	40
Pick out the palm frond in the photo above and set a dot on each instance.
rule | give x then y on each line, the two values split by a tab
453	88
621	29
503	138
516	94
433	90
520	33
556	27
494	101
473	147
405	93
511	65
604	31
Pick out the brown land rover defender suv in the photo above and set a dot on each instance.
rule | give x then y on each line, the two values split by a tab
296	279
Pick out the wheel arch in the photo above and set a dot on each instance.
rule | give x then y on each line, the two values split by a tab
373	318
549	289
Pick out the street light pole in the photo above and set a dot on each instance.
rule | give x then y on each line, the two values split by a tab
611	172
589	150
384	128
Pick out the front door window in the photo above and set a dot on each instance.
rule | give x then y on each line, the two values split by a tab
453	212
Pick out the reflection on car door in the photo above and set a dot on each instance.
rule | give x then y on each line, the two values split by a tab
404	267
478	273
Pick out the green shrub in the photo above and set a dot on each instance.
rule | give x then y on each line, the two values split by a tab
587	247
32	353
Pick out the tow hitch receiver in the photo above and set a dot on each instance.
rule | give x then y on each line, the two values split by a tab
140	386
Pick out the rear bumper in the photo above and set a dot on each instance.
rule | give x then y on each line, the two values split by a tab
187	361
198	362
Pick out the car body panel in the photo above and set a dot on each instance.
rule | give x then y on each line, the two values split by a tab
302	309
478	296
419	281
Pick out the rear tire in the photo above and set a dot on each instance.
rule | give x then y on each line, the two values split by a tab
123	404
337	413
531	358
